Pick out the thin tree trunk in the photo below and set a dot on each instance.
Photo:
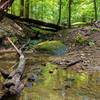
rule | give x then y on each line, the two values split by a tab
26	9
69	13
60	5
21	7
95	8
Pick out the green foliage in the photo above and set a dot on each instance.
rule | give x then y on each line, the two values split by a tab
80	39
91	43
48	10
75	78
15	9
95	29
81	78
14	39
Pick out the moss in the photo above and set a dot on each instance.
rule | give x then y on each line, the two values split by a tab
41	31
77	79
80	39
90	42
95	30
51	47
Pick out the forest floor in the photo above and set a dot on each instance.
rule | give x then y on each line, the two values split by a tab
83	43
88	52
83	56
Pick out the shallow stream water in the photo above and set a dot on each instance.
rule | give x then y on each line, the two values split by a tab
51	82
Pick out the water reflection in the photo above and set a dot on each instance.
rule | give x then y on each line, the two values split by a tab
63	85
54	83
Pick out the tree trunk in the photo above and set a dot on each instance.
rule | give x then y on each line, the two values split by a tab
60	5
26	9
69	13
21	7
95	9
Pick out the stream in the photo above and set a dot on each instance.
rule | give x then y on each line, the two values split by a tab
48	81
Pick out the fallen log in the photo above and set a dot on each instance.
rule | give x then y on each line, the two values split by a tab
31	26
14	85
34	22
5	4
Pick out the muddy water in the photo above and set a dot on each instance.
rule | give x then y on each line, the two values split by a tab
50	82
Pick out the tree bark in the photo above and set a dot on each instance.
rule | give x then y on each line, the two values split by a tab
95	9
26	9
4	4
60	5
34	22
69	13
21	7
14	85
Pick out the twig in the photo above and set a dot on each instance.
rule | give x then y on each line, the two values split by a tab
18	51
73	63
68	63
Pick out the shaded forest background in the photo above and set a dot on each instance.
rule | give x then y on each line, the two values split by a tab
57	11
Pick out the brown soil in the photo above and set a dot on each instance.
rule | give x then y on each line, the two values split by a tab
90	55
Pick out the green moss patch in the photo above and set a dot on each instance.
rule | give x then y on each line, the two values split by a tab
51	47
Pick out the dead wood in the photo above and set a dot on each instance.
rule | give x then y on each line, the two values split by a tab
33	22
74	62
4	4
14	85
4	73
31	26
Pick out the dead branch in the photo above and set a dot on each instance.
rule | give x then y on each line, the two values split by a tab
14	85
18	51
73	63
4	4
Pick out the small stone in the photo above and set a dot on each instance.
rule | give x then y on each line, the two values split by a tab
33	77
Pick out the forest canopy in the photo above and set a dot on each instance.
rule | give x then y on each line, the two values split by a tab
49	10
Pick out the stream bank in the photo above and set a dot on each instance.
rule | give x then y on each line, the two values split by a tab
47	76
